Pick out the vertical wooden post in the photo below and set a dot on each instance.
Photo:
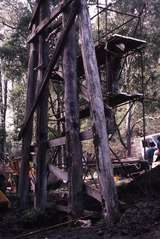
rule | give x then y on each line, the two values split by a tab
42	118
129	131
27	138
2	130
59	128
113	71
73	145
108	189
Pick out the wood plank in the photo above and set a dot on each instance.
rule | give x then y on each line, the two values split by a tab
104	165
36	9
85	135
73	145
40	201
59	173
27	137
57	142
52	63
93	192
43	24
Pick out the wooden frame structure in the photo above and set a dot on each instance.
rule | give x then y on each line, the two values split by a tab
67	15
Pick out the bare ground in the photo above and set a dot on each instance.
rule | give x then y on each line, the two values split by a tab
140	217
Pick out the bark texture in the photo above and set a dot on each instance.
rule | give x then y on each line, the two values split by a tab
72	130
42	118
104	165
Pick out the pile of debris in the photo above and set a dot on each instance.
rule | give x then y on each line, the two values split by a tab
145	186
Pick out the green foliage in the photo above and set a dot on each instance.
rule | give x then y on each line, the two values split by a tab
14	50
149	31
14	54
17	100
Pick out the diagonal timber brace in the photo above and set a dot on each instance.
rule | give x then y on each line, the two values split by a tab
48	20
53	61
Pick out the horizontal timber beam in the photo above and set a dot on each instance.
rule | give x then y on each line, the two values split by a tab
57	142
85	135
35	14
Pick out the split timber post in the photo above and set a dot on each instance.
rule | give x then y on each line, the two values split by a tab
72	129
27	137
42	118
104	165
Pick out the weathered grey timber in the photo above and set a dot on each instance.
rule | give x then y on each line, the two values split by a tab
62	175
52	63
27	137
34	17
43	24
42	118
72	128
105	171
85	135
59	173
93	192
2	118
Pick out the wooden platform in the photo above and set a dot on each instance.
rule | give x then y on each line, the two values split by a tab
120	98
130	43
130	167
113	99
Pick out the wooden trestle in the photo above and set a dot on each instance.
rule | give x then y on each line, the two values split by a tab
97	107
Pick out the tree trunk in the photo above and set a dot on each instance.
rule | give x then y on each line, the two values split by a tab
72	129
104	165
42	119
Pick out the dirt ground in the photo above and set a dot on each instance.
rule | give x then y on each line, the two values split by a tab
140	217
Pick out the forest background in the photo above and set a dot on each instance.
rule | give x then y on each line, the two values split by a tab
15	16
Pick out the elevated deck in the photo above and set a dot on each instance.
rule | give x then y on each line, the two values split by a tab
114	44
121	98
118	43
113	99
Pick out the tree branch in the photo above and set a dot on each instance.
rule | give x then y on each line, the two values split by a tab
7	25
